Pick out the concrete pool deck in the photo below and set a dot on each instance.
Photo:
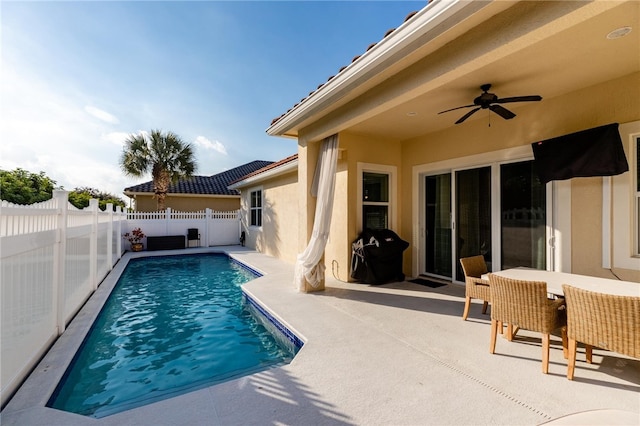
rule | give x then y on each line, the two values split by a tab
395	354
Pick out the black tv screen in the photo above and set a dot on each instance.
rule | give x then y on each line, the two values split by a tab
593	152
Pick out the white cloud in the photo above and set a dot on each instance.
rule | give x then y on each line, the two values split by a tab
116	138
44	130
205	143
101	115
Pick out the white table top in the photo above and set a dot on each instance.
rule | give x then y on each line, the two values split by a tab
555	280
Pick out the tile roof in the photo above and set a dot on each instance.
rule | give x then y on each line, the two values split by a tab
269	167
213	185
355	58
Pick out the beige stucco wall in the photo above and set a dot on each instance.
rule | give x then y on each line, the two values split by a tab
615	101
278	234
184	203
292	209
355	149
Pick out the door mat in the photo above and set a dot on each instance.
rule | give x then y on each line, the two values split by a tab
428	283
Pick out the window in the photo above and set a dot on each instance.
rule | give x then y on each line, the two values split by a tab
376	196
375	200
256	208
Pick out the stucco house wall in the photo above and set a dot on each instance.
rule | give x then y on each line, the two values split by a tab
345	222
580	57
187	203
278	234
614	101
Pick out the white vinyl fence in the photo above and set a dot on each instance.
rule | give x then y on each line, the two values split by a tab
53	257
215	228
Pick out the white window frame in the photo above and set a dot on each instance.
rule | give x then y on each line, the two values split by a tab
620	223
635	175
558	207
392	172
251	208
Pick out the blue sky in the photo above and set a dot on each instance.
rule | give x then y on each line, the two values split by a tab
77	77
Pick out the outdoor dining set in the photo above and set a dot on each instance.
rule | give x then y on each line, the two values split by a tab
596	312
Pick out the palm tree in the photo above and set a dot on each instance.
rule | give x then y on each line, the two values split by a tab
166	156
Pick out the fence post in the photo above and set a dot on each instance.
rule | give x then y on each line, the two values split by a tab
60	258
93	248
207	227
109	210
167	221
119	233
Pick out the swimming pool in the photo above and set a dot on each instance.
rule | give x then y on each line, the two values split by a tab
172	324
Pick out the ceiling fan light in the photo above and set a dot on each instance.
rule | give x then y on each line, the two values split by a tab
618	32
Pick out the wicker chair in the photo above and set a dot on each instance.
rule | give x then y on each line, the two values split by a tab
524	304
601	320
476	288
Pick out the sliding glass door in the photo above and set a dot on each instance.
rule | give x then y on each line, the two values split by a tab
473	216
523	216
498	211
438	225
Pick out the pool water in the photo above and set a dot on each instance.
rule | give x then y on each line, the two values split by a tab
172	324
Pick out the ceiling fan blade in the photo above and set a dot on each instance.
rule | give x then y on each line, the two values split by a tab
460	107
531	98
467	115
502	111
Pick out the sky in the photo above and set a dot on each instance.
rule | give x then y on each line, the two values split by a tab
78	77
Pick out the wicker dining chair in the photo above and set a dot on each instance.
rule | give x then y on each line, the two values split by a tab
602	320
524	304
476	288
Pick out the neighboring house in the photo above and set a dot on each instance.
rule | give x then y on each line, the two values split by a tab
197	193
455	190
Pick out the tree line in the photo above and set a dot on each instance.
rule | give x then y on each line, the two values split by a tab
162	154
20	186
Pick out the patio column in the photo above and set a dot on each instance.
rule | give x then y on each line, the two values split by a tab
307	160
318	196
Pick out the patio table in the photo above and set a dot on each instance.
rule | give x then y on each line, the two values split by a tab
555	280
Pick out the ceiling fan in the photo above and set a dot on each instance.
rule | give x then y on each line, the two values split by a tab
491	101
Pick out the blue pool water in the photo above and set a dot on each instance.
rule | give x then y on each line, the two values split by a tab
171	325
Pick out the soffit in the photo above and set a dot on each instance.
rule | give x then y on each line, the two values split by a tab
416	40
577	57
521	48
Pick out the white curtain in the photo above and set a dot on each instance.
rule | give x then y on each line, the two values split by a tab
308	266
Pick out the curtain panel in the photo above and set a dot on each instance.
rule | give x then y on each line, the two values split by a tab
308	267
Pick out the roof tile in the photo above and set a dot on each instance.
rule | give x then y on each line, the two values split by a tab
213	185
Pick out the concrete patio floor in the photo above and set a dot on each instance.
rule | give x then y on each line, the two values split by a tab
395	354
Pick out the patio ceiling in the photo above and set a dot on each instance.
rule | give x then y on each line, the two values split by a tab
521	48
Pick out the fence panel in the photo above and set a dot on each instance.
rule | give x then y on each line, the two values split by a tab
77	284
28	312
215	228
52	257
224	228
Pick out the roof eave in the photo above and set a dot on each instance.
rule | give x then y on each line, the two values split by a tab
276	171
379	56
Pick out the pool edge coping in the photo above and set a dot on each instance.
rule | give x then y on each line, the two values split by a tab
39	386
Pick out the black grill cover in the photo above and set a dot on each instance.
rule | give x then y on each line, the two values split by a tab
377	256
592	152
